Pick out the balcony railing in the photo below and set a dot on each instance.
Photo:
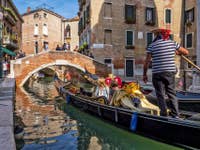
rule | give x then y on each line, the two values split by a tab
8	41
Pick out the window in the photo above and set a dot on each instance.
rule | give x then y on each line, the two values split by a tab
88	14
189	40
108	36
107	9
45	30
36	47
168	16
45	15
189	15
130	14
67	32
171	37
150	16
129	39
36	30
129	67
36	15
84	19
149	38
107	60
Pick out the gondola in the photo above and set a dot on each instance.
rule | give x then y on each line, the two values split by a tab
188	101
180	132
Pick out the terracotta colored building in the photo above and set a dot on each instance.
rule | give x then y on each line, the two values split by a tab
44	29
118	31
11	26
70	30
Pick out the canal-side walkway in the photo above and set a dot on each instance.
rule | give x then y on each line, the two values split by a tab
7	96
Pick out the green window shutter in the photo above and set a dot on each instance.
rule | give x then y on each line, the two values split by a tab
134	14
129	68
171	36
153	15
189	41
84	19
126	12
193	14
149	38
129	38
168	16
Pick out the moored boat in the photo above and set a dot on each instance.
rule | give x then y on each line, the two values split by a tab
184	133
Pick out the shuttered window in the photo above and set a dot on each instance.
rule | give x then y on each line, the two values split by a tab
107	9
189	40
150	16
88	14
149	38
129	67
190	15
36	30
108	36
130	14
107	60
168	16
129	38
171	36
84	19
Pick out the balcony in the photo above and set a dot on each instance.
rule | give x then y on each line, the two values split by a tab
11	43
9	19
10	15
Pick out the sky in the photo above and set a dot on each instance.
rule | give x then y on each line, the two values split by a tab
65	8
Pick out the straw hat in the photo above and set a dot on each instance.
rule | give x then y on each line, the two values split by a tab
158	29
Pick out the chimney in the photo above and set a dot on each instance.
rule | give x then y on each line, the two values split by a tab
28	9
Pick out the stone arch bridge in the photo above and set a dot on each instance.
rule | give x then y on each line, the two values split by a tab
22	69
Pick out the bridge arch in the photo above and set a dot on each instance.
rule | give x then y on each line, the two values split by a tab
23	69
56	63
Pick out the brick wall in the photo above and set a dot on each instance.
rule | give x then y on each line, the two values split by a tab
29	64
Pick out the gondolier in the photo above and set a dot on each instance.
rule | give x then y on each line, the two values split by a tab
162	53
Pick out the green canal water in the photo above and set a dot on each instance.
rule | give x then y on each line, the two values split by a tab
50	124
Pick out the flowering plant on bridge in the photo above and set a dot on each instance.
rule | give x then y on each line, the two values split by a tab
85	45
81	48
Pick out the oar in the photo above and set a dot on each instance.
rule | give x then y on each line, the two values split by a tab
190	62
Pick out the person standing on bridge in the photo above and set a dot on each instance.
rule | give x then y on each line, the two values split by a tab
162	52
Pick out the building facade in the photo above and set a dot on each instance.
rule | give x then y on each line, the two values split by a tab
118	31
44	30
70	36
190	28
11	26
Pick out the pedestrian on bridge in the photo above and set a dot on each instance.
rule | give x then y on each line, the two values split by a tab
162	53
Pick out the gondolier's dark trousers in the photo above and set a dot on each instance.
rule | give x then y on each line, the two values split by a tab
164	83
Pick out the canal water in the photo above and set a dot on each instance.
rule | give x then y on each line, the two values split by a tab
50	124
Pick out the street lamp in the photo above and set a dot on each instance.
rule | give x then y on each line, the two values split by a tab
1	53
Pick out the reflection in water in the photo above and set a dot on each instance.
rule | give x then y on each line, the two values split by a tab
50	124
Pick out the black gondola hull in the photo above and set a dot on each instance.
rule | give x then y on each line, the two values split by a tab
183	133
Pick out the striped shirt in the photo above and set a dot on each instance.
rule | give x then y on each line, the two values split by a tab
163	55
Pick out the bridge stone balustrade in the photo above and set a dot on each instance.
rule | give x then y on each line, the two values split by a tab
24	68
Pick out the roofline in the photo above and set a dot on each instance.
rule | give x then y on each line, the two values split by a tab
16	10
71	19
43	9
